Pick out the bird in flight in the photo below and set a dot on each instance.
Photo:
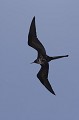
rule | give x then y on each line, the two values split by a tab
42	58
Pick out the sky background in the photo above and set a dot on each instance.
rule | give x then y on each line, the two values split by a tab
22	96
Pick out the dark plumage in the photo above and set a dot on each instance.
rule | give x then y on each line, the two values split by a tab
43	77
42	57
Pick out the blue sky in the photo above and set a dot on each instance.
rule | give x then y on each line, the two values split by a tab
22	96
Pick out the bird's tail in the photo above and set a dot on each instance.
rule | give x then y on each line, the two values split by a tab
56	57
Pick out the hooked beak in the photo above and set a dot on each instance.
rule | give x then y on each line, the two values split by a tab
34	62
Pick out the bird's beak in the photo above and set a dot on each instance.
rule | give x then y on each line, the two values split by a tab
31	62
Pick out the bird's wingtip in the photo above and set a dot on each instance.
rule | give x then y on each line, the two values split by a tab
34	17
53	93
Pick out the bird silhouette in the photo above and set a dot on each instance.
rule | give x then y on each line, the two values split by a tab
42	58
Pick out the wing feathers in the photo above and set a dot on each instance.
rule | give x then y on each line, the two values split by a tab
43	75
33	40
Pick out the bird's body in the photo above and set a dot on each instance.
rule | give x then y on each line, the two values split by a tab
43	59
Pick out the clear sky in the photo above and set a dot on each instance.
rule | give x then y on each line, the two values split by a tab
22	96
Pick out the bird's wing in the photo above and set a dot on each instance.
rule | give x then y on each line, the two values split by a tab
43	77
33	40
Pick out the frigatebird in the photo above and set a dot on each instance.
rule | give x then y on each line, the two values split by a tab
42	58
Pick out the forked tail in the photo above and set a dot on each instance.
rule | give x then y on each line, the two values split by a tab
56	57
